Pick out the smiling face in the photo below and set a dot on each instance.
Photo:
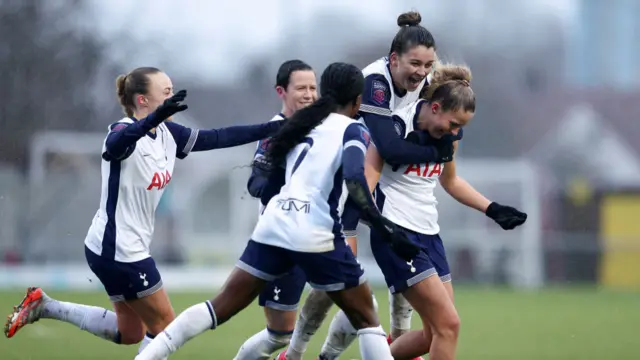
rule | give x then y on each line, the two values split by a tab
301	91
409	69
439	123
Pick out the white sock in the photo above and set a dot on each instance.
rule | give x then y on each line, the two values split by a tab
341	334
261	345
311	316
373	344
148	338
98	321
401	312
190	323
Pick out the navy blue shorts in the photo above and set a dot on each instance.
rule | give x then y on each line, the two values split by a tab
284	293
399	274
125	281
329	271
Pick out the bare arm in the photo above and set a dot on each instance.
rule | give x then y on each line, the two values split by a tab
373	167
460	189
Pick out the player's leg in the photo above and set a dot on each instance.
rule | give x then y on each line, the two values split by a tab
136	288
424	336
435	248
420	284
311	316
156	313
400	315
430	299
314	312
122	326
341	332
317	306
280	300
255	268
339	273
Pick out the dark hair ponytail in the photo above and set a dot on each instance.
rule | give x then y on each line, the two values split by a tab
135	82
297	127
340	85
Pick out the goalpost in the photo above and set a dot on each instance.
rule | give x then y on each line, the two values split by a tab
509	182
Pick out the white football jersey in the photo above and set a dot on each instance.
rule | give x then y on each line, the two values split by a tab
304	215
379	96
260	153
379	71
131	190
408	190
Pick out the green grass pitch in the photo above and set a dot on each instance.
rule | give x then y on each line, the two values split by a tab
553	324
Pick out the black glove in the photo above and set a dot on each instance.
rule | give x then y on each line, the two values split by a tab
170	106
445	150
397	240
506	216
443	146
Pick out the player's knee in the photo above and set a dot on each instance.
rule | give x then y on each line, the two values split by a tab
280	321
161	321
131	334
363	318
130	327
448	326
316	307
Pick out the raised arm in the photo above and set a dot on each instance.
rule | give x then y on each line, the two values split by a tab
122	138
189	140
376	113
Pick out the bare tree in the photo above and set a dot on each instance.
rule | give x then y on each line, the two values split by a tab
48	68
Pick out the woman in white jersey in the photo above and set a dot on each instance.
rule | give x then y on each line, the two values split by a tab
391	82
138	156
318	149
296	86
405	195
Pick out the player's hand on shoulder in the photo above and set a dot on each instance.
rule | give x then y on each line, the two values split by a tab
443	146
398	240
172	105
506	216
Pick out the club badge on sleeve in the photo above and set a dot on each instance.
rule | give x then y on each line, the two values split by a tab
378	92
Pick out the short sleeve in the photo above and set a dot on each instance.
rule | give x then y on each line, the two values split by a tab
184	137
357	135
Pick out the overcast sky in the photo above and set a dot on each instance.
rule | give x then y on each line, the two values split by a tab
200	34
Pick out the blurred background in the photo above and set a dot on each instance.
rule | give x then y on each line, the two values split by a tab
556	134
